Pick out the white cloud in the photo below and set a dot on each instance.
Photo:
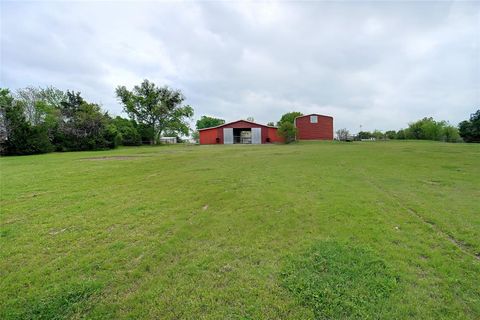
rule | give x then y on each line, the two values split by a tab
379	65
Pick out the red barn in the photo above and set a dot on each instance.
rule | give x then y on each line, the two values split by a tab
314	127
239	132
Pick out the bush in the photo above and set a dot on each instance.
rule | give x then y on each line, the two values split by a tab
129	135
391	134
288	131
364	135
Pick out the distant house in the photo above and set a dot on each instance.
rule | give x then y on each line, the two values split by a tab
168	140
314	127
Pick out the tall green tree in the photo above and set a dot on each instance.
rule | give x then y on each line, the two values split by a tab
401	134
288	131
40	103
378	135
450	134
391	134
159	108
84	126
470	129
128	131
208	122
289	117
364	135
286	126
20	136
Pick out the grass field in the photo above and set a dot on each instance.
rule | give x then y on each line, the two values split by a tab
382	230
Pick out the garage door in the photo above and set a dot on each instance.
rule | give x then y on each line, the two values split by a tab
228	135
256	135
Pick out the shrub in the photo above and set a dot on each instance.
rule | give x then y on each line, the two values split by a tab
288	131
129	135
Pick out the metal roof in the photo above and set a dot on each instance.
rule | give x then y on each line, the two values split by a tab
314	114
225	124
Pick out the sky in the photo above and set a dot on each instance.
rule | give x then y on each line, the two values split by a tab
378	65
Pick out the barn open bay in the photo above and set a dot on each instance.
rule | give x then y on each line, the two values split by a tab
212	231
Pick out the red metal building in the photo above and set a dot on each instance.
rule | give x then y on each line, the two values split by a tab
314	127
239	132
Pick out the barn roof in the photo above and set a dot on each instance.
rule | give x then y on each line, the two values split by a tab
228	123
314	114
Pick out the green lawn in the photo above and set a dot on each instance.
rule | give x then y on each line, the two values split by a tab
382	230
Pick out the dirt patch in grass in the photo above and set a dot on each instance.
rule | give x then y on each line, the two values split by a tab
339	282
113	158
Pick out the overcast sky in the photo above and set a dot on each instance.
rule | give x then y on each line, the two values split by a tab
376	64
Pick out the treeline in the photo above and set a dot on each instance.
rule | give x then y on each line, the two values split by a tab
429	129
41	120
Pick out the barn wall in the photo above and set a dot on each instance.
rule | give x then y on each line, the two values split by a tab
273	135
323	130
208	136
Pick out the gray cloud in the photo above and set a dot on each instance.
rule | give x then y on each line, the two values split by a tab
376	64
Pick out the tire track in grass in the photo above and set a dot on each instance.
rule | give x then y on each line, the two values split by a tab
444	234
459	244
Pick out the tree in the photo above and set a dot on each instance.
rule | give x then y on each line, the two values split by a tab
38	102
364	135
83	126
208	122
401	134
470	129
378	135
288	131
251	119
289	117
425	129
286	126
128	131
271	124
391	134
343	134
21	137
196	136
429	129
159	108
450	134
37	120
